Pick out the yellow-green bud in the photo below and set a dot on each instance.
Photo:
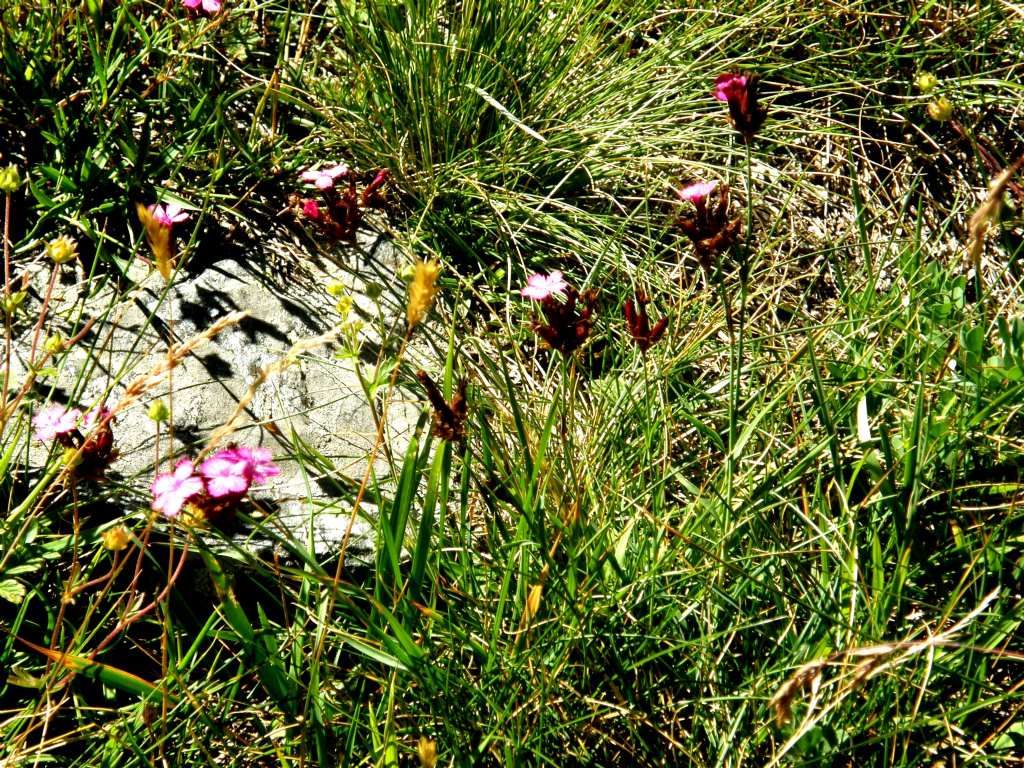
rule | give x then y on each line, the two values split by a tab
926	82
336	289
344	306
115	539
940	109
54	344
71	458
61	249
9	179
158	411
11	304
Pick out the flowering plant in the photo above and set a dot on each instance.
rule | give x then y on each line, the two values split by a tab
219	485
740	93
708	225
339	213
94	449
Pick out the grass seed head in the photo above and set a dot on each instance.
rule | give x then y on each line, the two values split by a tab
422	291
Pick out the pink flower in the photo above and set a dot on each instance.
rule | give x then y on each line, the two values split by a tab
540	287
95	416
168	215
729	87
232	471
172	490
697	193
55	421
324	179
210	6
311	210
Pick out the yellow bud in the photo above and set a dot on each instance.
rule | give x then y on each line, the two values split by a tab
192	516
54	344
115	539
533	602
9	179
336	289
940	109
158	411
422	290
344	306
11	304
926	82
426	750
61	249
71	458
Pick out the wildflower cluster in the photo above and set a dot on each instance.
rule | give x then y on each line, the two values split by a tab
209	6
708	224
740	93
566	324
86	437
159	221
569	322
338	213
219	485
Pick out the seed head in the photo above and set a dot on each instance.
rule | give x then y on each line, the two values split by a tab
422	291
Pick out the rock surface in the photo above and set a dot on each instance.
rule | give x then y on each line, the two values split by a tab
318	402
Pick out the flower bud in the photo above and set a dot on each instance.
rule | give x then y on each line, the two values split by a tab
11	304
426	751
344	306
926	82
61	249
54	344
940	109
115	539
158	411
9	179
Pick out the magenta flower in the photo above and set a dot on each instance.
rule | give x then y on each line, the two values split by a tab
54	422
168	215
311	210
210	6
95	416
540	287
740	92
232	471
172	489
729	86
697	193
324	179
226	474
262	463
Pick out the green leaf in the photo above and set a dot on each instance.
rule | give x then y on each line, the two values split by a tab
12	591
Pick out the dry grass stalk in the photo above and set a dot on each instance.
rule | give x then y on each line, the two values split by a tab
175	354
271	369
988	213
855	666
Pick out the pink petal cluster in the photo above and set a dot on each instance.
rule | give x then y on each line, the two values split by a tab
729	86
172	489
311	209
95	416
324	179
227	475
232	471
55	421
697	193
540	287
210	6
168	215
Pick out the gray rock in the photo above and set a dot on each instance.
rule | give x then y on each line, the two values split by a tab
317	403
